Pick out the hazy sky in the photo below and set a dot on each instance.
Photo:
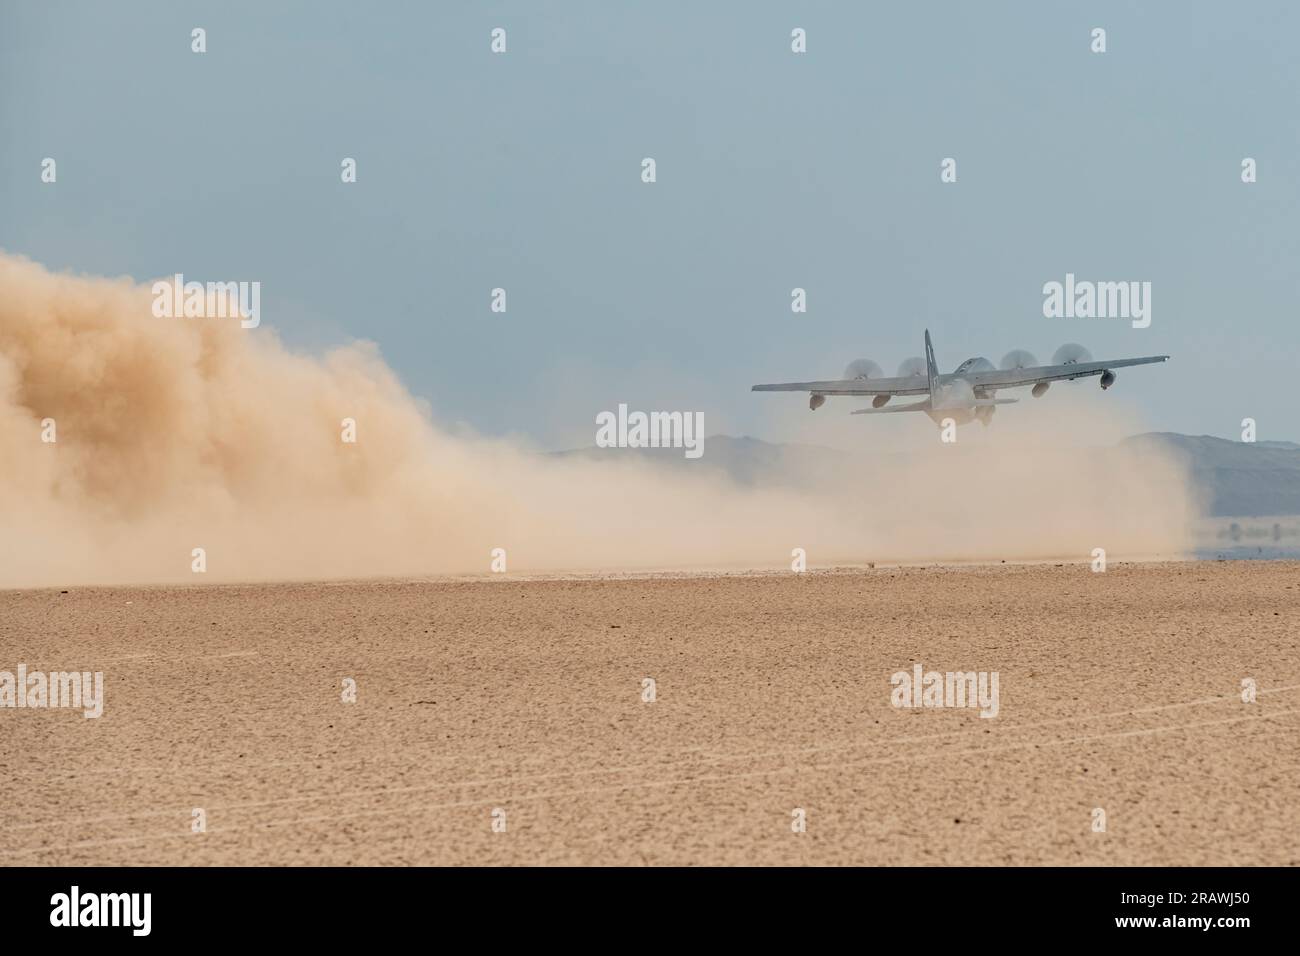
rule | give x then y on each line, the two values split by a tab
775	171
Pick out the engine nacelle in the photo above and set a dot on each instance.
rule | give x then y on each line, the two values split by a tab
879	401
1040	389
816	401
1107	379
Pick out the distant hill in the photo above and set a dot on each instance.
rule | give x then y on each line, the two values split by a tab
1236	479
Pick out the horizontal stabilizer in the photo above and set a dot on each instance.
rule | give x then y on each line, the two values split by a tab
890	409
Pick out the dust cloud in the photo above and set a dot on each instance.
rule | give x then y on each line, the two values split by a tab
181	433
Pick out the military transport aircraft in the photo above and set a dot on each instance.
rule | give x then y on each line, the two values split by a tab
965	395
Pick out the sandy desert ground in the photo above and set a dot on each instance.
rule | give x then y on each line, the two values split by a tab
1119	691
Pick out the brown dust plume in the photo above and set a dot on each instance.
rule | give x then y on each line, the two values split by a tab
175	434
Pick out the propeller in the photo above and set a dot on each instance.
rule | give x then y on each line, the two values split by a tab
1071	354
1017	358
863	368
914	366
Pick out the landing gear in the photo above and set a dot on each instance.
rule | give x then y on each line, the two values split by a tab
984	414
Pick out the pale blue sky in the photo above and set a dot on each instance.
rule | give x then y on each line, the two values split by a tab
775	170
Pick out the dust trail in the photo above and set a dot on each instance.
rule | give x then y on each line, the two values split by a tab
174	434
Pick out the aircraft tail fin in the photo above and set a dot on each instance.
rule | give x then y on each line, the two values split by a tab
931	367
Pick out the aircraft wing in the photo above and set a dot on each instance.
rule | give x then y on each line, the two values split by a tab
911	385
1010	378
